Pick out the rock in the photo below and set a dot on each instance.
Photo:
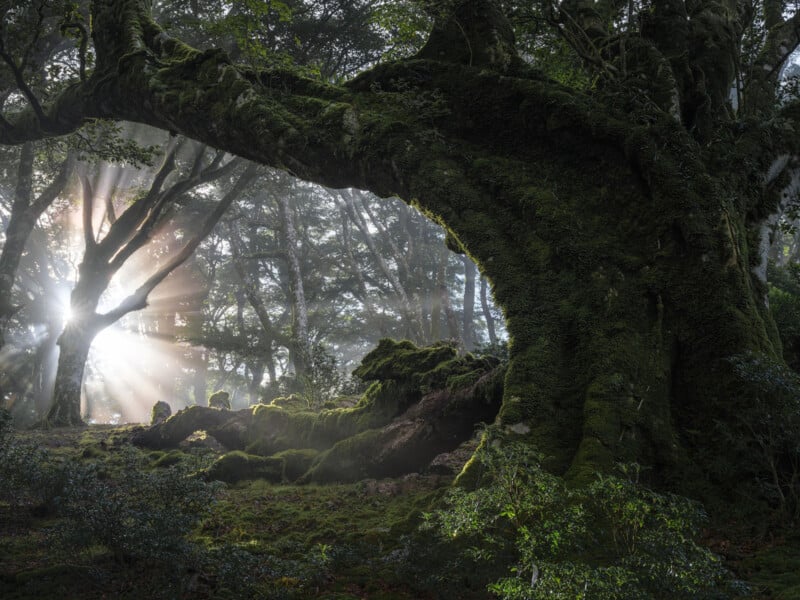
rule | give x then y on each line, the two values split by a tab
160	413
220	400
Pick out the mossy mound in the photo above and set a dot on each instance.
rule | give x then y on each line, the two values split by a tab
290	402
296	462
225	426
239	466
220	400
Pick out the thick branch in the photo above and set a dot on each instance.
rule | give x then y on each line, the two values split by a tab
783	38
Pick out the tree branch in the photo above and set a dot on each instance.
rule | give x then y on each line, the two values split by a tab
761	88
19	78
138	299
88	205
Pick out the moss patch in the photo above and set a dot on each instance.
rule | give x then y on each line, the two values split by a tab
239	466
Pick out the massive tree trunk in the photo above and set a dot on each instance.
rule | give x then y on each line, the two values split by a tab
620	235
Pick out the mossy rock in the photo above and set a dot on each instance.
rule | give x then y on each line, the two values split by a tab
291	402
160	413
349	460
240	466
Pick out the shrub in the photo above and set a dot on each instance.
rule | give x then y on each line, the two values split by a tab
140	515
613	539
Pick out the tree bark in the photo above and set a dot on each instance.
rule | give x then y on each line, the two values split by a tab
300	348
74	344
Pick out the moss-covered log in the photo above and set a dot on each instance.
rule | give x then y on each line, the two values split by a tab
422	402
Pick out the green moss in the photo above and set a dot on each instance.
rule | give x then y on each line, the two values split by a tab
173	457
393	360
296	462
291	402
238	466
347	460
220	399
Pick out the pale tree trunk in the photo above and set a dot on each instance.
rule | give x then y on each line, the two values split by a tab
25	211
453	328
300	349
74	345
487	312
199	360
469	303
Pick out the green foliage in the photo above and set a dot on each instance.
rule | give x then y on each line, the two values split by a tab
767	429
134	514
30	476
101	140
406	26
250	18
322	380
139	516
613	539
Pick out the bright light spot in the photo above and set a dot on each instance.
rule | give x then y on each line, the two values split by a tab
66	313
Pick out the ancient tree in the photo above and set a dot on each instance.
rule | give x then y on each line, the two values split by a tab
620	223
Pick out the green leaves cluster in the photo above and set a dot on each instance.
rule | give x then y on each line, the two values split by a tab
134	514
140	516
614	539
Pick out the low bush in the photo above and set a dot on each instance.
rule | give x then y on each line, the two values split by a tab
611	540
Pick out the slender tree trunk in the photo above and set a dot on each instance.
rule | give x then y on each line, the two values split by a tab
469	303
453	328
487	312
200	376
300	350
25	211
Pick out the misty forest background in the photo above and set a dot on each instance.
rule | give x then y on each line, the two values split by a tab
291	288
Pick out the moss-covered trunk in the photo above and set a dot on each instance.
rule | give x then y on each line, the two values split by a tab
627	279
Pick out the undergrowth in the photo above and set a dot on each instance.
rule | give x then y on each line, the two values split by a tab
614	539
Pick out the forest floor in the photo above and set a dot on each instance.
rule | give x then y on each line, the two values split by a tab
343	542
334	541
